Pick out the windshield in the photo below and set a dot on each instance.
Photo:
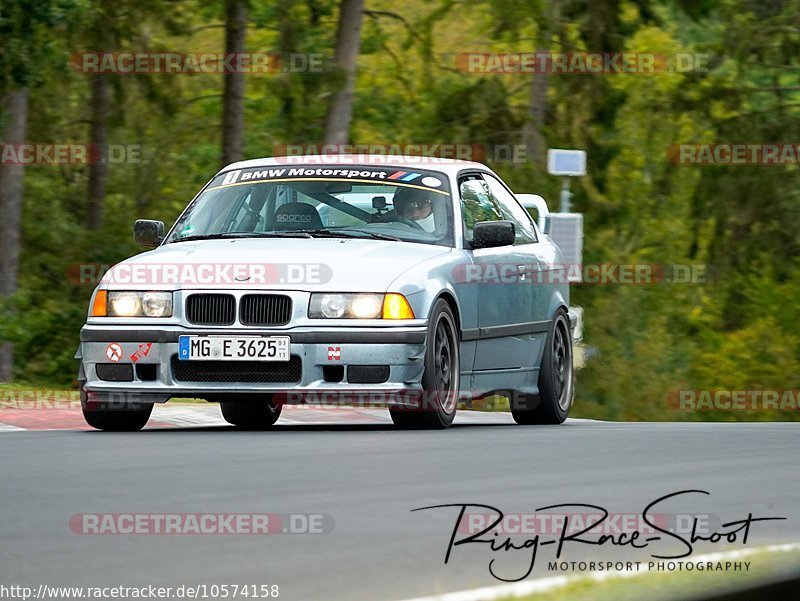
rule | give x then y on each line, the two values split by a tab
350	201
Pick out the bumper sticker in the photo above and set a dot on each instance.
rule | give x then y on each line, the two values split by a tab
142	352
114	352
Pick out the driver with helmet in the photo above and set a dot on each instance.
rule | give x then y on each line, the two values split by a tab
412	204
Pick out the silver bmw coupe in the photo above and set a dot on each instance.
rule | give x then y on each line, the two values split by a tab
406	282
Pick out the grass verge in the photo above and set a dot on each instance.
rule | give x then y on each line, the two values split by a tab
766	565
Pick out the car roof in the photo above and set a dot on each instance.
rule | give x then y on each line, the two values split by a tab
449	166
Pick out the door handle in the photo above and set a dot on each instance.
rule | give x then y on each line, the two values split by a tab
528	269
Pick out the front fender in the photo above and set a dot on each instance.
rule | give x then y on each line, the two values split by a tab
423	283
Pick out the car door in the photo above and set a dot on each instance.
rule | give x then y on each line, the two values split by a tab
538	259
501	275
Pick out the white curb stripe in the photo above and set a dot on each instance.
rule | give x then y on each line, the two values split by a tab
542	585
10	428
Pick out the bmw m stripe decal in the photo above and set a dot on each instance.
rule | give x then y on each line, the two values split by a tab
404	176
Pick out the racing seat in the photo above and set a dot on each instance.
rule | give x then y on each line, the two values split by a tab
297	216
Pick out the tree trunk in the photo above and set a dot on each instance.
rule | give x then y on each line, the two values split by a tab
233	95
15	107
287	45
533	132
96	186
348	46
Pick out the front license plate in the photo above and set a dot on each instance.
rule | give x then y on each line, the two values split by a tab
230	348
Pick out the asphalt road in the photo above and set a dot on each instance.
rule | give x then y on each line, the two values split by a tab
366	478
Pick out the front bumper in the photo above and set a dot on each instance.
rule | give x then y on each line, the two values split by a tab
150	352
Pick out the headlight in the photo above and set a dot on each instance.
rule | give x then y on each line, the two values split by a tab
332	306
140	304
358	306
124	304
157	304
367	306
345	306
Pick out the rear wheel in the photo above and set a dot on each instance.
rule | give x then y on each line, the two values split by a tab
255	414
556	380
441	378
105	413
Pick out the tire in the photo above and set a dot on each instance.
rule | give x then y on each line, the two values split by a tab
256	414
441	378
556	380
106	416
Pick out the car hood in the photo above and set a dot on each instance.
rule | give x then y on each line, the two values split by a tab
310	264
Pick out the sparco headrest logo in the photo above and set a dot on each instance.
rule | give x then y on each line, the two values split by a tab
293	218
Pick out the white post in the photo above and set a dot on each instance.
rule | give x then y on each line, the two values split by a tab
566	196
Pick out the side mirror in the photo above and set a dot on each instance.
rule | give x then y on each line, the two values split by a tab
490	234
147	232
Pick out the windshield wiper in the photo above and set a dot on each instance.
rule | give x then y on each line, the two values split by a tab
336	233
327	233
294	234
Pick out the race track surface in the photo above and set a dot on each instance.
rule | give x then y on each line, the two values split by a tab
364	477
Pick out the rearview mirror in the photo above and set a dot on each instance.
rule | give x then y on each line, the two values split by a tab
490	234
147	232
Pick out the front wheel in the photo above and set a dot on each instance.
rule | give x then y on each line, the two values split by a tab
556	380
114	416
256	414
441	377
